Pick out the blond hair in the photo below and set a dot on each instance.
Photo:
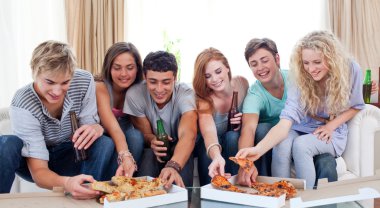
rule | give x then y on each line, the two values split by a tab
336	94
52	56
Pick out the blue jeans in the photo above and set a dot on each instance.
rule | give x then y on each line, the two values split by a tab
135	139
263	164
101	164
151	167
229	142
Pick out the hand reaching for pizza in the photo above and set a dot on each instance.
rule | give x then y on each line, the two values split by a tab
251	153
73	185
127	168
217	167
169	175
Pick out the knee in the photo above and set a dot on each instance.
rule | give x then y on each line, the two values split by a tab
103	144
232	138
300	147
261	131
135	136
10	144
325	162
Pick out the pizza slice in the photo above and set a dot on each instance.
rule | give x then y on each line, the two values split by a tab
243	163
103	186
222	183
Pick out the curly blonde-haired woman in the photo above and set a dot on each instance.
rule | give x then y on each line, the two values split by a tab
325	92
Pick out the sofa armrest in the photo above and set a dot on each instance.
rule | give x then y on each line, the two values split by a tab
359	153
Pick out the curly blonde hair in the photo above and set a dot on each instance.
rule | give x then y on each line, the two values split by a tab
336	94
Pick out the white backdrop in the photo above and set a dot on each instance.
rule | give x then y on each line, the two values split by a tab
224	24
24	24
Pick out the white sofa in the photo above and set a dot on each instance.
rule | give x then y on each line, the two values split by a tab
358	160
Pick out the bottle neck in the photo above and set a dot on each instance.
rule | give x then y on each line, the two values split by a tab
367	79
160	128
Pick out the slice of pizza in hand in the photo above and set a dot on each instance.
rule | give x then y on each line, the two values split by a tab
103	186
243	163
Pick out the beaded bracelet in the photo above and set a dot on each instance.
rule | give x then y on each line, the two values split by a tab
123	154
173	164
212	145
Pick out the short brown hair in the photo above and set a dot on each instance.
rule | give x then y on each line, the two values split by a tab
52	56
257	43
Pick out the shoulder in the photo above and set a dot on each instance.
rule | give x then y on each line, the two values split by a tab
82	74
101	88
24	96
203	106
183	89
240	82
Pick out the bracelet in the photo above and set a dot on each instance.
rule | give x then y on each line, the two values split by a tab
213	145
173	164
122	155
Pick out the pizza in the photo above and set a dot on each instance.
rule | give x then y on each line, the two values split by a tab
122	188
263	189
103	186
243	163
222	183
276	189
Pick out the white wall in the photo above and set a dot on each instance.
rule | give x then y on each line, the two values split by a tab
224	24
25	24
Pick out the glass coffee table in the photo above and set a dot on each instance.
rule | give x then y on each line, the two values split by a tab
196	202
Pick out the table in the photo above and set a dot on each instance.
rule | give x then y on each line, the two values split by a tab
62	201
196	202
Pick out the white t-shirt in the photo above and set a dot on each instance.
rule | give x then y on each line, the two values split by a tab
139	103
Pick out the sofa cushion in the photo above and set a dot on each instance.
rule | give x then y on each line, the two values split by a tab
5	122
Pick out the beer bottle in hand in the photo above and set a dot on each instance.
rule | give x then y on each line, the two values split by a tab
163	136
80	155
367	85
233	111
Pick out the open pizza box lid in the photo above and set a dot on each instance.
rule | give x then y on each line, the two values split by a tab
212	193
175	194
339	192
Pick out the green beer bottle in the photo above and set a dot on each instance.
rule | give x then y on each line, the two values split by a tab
367	86
163	136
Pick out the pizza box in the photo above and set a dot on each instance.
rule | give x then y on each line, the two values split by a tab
358	189
211	193
175	194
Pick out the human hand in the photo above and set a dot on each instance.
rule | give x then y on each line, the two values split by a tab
237	120
73	185
158	149
217	166
247	178
127	167
374	87
85	135
324	133
169	175
251	153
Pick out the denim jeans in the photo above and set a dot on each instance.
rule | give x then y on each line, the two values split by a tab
101	164
229	142
151	167
135	139
263	164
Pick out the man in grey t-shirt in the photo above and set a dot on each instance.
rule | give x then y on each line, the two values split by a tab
160	96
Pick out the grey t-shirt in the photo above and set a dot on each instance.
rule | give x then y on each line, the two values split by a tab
139	103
